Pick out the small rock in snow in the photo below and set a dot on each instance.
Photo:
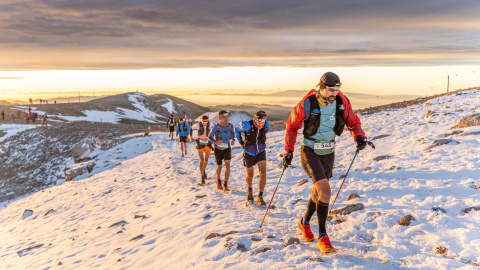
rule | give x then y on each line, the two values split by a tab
303	181
476	208
48	212
353	196
262	251
212	235
27	213
140	216
438	209
137	237
405	221
348	209
315	259
121	222
382	157
440	250
292	241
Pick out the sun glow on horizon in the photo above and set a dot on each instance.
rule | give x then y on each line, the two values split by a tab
21	85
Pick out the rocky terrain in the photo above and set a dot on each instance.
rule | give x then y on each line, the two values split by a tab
40	157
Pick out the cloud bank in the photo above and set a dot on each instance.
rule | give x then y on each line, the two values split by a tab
88	34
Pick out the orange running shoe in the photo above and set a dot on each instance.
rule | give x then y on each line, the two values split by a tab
225	187
324	245
307	232
219	184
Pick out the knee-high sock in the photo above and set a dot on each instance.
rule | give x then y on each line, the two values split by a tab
311	208
322	214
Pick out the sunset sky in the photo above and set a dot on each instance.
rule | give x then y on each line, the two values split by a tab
377	47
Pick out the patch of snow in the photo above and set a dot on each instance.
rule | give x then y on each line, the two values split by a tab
13	129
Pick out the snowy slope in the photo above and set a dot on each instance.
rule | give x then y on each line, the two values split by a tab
145	210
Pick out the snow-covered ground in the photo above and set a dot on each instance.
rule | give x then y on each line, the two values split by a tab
141	113
144	208
13	129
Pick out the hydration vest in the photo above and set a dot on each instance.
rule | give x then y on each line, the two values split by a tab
219	130
252	136
184	127
312	123
201	130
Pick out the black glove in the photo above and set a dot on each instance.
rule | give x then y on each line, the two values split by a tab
361	142
242	144
287	159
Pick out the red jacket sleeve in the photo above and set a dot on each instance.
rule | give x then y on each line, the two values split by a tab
295	122
352	120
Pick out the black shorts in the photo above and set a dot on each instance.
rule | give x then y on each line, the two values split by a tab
316	166
221	155
172	129
183	139
201	146
249	160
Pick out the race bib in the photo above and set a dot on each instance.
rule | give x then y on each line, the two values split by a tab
203	141
323	147
223	146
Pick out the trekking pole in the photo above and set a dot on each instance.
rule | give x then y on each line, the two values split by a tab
356	152
284	167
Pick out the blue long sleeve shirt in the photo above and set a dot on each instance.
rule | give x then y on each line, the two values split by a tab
223	133
180	129
257	147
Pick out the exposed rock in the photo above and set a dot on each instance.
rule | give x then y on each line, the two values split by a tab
212	235
140	216
384	260
476	208
315	259
239	246
254	239
48	212
303	181
381	136
201	196
368	168
382	157
394	168
229	233
296	201
438	209
262	251
207	216
453	132
348	209
26	213
468	121
140	236
72	174
28	249
82	151
442	141
292	241
353	196
90	166
440	250
431	113
405	221
121	222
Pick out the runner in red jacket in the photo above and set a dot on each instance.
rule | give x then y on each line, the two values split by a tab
324	113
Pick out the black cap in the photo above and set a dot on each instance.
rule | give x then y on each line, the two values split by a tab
261	114
181	119
329	79
205	117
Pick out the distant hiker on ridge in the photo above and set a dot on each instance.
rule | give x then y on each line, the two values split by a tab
171	125
189	122
254	151
183	130
221	135
324	114
204	146
3	115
